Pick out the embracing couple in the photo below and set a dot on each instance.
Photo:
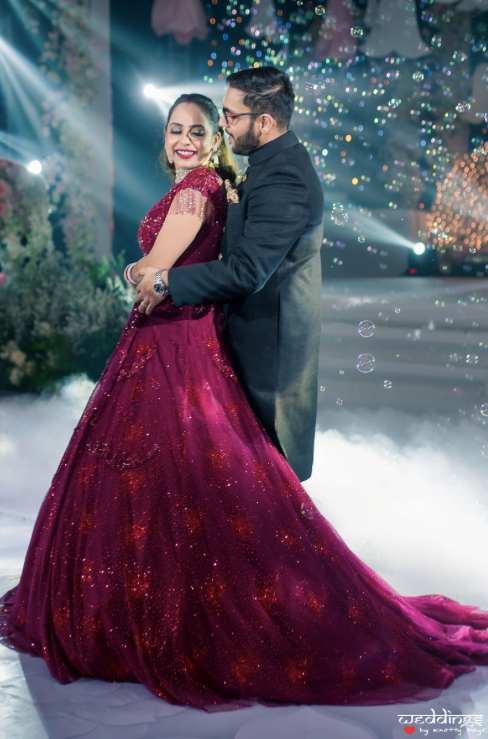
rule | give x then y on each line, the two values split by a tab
269	275
176	547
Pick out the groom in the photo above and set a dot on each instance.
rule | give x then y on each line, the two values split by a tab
270	272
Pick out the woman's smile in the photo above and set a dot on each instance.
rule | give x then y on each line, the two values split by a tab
185	153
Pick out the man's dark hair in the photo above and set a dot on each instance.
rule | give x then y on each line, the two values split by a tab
266	89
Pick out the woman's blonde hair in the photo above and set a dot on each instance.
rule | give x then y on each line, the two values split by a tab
226	167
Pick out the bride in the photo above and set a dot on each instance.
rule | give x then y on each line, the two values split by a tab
176	548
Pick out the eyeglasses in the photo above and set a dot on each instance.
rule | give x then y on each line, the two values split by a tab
231	117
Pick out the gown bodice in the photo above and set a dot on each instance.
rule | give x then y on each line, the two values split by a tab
200	189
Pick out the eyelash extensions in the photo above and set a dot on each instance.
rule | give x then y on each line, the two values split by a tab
199	134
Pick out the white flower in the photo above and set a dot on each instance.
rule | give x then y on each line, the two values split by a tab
10	348
18	358
15	376
44	328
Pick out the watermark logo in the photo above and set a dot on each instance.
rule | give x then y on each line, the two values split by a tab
446	722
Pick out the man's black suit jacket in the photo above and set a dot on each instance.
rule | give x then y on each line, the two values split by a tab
270	276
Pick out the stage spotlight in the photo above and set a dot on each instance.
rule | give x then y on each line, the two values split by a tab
34	167
150	91
419	248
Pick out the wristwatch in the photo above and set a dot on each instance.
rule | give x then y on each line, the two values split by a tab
159	286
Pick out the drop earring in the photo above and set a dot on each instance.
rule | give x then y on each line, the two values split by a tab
168	156
215	157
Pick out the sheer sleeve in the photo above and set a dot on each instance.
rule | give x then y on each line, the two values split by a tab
196	194
193	202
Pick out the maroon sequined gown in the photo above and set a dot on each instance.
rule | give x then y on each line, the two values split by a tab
177	549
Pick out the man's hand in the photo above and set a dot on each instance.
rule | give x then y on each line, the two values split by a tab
146	297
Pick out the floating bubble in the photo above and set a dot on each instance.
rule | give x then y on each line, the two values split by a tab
315	85
397	310
436	40
463	107
459	56
357	32
309	510
366	329
339	214
479	152
471	359
455	357
418	76
365	363
394	103
361	239
369	548
322	388
339	401
484	410
387	384
484	451
320	10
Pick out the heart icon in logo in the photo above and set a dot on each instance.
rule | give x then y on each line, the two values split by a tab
409	729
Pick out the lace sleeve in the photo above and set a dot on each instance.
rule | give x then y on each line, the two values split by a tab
193	202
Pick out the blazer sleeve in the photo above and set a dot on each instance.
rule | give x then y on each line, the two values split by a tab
278	213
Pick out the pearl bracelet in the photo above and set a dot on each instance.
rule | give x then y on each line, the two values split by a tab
127	276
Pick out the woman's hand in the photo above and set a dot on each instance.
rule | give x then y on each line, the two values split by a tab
146	297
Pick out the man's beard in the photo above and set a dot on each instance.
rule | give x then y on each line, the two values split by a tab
246	143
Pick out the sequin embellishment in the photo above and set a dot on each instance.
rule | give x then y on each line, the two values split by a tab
231	192
219	358
120	460
143	355
190	201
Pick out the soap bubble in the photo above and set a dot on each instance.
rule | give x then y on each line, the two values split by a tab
357	32
397	310
339	401
339	215
308	509
459	56
366	329
484	409
361	239
418	76
316	85
463	107
320	10
394	103
387	384
471	359
311	508
455	357
365	363
484	451
322	388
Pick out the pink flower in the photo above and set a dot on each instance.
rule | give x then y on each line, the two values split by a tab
4	189
3	277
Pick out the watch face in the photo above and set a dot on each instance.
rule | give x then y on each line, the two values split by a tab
159	288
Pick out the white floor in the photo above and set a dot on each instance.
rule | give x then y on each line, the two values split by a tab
400	472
